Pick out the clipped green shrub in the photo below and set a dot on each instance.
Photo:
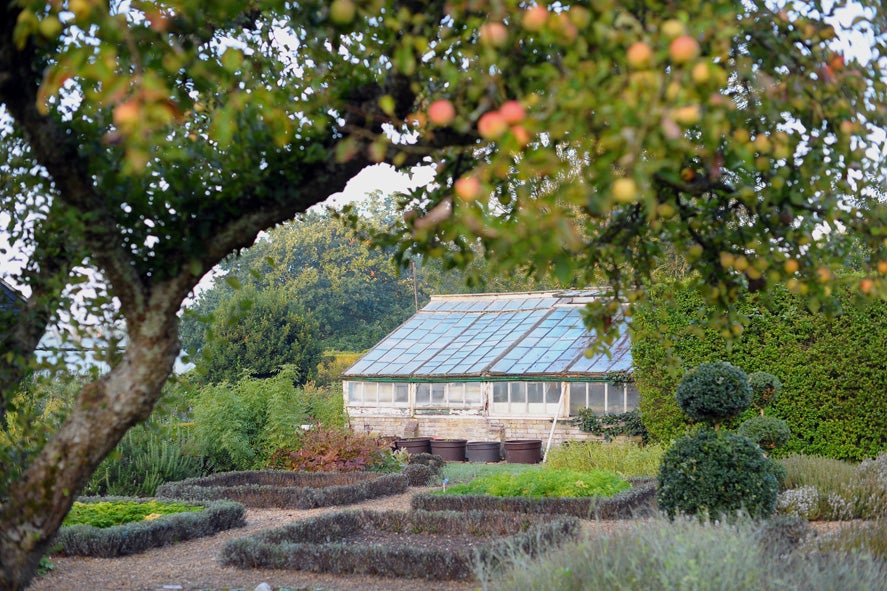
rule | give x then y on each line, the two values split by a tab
765	388
716	475
638	501
283	489
626	458
138	536
327	543
714	392
768	432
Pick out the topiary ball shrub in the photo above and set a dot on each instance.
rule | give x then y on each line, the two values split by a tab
765	388
714	392
768	432
715	475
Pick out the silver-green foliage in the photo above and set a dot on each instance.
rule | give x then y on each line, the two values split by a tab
690	555
824	488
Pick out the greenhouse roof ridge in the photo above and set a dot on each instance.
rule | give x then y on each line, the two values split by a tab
475	335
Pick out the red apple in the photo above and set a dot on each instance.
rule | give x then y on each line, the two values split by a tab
467	188
521	135
639	55
441	112
492	125
683	49
534	18
513	112
493	34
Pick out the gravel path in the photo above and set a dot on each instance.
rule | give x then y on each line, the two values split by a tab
193	565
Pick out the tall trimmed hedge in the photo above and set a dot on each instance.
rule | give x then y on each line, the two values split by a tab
833	370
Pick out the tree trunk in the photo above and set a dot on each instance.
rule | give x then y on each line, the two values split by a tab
104	411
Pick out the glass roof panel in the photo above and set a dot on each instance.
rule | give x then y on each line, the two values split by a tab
500	334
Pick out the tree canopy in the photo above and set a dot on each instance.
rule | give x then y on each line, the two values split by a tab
144	141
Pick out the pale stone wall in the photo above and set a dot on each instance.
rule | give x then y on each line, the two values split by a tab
472	428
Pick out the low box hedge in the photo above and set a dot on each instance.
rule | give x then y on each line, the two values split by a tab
340	542
138	536
639	500
265	489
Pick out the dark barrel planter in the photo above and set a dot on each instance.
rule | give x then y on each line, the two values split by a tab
523	451
451	450
483	451
414	445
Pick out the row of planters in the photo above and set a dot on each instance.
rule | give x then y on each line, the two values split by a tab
519	451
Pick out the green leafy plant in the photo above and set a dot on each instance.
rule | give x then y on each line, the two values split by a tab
111	513
717	474
240	426
544	483
611	425
146	457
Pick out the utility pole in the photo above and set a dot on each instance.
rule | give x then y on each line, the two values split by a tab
415	286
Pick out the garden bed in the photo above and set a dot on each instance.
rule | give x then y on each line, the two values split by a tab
265	489
138	536
439	545
639	501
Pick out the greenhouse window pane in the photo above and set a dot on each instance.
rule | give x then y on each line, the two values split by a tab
577	397
633	398
535	392
423	394
438	392
597	397
552	392
473	393
518	391
500	392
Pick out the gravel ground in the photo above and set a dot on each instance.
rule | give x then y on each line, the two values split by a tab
193	565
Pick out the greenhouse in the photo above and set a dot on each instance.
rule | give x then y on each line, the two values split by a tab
489	365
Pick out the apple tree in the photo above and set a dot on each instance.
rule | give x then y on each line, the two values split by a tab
145	141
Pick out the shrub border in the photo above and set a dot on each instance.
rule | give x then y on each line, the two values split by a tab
262	496
138	536
320	551
639	500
